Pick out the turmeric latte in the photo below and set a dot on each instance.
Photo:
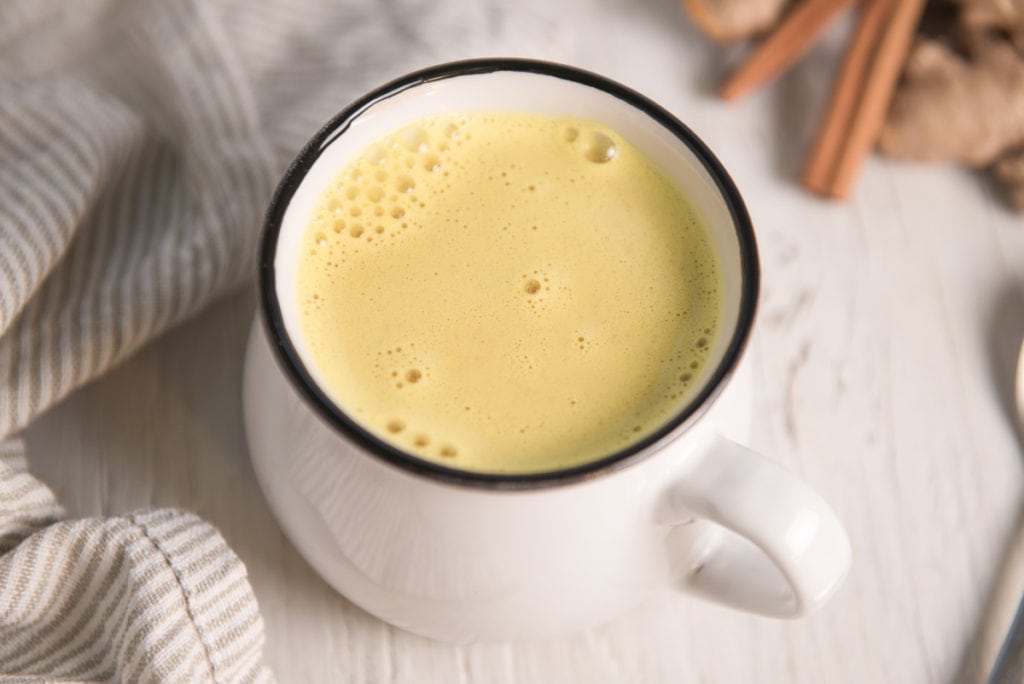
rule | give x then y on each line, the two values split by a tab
507	292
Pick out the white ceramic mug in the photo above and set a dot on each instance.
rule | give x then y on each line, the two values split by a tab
461	556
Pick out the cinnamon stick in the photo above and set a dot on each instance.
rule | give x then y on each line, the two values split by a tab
819	168
867	78
789	41
885	73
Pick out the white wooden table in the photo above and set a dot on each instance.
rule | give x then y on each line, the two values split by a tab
884	353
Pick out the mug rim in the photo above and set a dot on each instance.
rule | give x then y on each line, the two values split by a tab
287	355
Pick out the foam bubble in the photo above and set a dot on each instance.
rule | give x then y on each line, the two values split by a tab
413	375
599	148
414	140
405	184
377	155
395	426
448	451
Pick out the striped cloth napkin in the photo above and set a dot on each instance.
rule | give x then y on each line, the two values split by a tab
139	144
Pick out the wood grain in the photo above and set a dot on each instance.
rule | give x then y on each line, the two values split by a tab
882	379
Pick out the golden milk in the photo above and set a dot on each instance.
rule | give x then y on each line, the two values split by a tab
507	292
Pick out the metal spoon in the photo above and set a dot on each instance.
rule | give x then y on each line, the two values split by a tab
1009	664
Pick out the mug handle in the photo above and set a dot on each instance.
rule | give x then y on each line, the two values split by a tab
776	547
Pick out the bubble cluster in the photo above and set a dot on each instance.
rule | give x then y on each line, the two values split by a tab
687	362
417	440
368	205
400	367
536	286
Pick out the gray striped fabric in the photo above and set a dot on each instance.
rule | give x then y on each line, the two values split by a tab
139	145
149	596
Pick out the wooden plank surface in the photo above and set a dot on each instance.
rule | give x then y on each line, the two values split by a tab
884	355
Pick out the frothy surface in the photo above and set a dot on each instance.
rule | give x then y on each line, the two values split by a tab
507	292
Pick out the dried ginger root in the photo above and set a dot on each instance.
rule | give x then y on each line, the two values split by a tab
962	96
953	109
726	20
1009	173
994	15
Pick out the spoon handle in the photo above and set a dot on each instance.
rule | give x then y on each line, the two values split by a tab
1009	665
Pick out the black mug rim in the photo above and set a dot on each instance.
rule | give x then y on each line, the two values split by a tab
288	357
